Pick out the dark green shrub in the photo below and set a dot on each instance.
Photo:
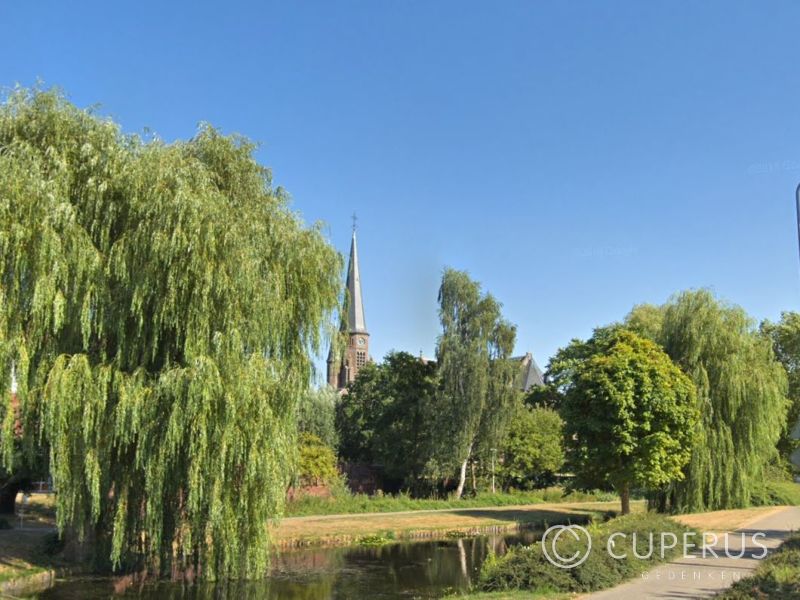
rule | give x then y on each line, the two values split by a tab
598	572
528	568
524	568
777	577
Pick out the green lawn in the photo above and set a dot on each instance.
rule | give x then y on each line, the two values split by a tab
361	503
778	492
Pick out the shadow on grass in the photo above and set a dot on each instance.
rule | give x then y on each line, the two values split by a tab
23	552
534	516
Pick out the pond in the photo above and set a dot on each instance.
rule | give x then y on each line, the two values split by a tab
423	569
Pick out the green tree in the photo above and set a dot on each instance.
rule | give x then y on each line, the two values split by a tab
630	415
403	445
785	336
532	449
316	464
317	414
647	320
385	417
161	303
543	396
561	368
742	391
358	412
477	390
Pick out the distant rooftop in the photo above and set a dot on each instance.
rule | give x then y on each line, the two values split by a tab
531	375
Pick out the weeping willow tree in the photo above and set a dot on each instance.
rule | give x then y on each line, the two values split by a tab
477	375
785	337
742	392
161	304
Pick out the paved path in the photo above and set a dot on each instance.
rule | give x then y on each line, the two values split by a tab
698	577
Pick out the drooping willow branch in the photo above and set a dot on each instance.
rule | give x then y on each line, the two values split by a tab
161	304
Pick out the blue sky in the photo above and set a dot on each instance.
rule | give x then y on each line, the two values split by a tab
575	157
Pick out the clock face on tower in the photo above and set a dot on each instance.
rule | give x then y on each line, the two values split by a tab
361	341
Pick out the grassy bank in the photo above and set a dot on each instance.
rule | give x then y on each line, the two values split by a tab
516	595
339	530
777	577
777	493
346	504
32	549
24	554
528	569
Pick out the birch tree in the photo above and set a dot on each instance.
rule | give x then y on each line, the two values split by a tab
477	377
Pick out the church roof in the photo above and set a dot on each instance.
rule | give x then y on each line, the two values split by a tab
355	313
531	373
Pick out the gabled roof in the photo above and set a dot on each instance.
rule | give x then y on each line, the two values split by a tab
355	314
531	375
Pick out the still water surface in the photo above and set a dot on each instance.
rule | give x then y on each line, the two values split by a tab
429	569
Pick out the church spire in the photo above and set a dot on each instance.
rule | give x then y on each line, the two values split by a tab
343	367
355	313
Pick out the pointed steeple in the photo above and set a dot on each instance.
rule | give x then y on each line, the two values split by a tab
355	314
343	368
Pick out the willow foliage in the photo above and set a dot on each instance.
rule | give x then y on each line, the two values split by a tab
742	392
785	337
161	304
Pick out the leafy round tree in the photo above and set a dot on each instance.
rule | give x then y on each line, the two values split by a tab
386	418
630	415
532	450
160	303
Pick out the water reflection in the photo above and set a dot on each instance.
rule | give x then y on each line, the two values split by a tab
428	569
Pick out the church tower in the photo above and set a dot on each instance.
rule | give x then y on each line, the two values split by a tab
356	354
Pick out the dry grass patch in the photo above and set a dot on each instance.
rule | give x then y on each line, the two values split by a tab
726	520
343	529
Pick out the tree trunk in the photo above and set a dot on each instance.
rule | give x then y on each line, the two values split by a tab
625	497
8	497
462	476
474	486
